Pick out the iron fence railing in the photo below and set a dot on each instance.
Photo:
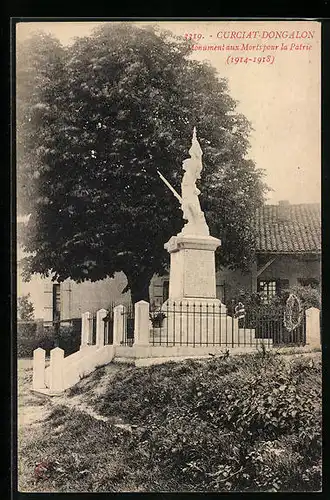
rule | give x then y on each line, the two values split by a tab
108	327
271	324
128	326
189	323
198	324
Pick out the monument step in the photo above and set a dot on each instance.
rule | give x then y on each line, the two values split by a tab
229	343
236	337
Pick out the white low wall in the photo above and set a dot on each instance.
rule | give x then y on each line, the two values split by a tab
82	363
99	357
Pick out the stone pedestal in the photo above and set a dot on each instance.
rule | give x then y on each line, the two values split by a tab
192	267
196	322
193	314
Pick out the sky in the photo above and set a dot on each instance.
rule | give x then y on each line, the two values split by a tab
282	99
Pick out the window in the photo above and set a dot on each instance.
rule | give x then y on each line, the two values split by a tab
313	282
270	288
267	289
56	302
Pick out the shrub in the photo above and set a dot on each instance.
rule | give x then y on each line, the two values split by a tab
242	424
30	336
308	296
248	423
157	318
26	329
69	339
268	318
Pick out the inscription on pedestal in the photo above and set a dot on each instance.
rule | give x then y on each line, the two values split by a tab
199	274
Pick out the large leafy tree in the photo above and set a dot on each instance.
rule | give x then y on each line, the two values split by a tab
95	121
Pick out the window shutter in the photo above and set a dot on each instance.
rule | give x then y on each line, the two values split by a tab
48	301
56	301
66	300
281	285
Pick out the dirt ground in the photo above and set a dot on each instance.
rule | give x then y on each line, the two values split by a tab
33	408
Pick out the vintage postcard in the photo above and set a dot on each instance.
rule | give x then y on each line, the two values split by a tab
168	256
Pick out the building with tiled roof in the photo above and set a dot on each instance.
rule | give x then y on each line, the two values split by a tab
288	229
288	247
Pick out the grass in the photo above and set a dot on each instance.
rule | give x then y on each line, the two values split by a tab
245	423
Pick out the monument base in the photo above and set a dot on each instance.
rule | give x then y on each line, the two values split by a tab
201	322
192	267
193	314
195	321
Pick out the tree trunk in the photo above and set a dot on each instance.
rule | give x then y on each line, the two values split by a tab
139	287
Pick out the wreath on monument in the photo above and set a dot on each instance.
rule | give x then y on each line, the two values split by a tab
293	313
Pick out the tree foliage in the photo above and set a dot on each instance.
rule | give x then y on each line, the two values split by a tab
95	121
25	308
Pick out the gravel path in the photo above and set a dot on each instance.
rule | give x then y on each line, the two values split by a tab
33	408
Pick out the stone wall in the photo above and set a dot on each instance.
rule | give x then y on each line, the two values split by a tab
87	296
293	268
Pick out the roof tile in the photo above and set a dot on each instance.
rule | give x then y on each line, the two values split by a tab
298	230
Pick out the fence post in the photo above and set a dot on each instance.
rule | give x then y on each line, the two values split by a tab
56	382
56	324
39	359
141	323
313	337
235	334
86	328
119	324
100	326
